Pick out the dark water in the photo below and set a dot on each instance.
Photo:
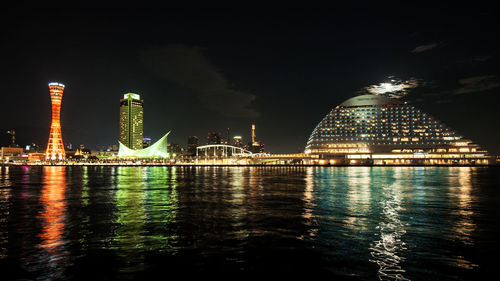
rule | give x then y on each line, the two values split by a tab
358	223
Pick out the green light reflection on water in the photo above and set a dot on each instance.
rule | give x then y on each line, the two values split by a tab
146	204
85	187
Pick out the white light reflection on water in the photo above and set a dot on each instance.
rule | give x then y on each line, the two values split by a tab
462	198
309	205
387	250
462	194
358	198
238	197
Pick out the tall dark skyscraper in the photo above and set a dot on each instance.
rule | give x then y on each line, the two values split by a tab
131	121
214	138
192	145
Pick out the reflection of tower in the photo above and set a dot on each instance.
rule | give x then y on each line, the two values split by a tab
53	221
131	121
55	147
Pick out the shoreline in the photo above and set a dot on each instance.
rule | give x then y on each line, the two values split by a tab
243	165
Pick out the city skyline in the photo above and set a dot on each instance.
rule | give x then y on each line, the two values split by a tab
283	71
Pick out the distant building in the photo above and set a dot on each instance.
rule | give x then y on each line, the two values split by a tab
82	152
238	141
131	121
228	138
33	147
254	145
113	147
174	148
146	142
214	138
12	133
192	145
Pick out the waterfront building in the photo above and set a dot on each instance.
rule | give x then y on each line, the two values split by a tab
214	138
36	157
375	129
157	150
11	153
131	121
192	144
55	146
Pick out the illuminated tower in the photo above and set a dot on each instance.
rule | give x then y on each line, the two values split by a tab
255	146
254	142
131	121
55	147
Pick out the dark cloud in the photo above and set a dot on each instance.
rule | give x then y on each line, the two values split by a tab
188	67
477	84
425	48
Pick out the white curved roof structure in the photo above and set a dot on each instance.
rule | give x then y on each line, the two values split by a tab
156	150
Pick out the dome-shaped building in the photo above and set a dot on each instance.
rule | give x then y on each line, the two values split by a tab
380	130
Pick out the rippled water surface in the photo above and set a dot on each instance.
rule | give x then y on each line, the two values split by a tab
359	223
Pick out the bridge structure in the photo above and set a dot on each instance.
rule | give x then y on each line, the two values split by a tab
228	154
221	151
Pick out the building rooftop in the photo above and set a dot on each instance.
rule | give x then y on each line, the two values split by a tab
367	100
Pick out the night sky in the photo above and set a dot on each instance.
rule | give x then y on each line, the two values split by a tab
204	69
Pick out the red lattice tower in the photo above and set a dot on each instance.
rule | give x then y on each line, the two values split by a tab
55	147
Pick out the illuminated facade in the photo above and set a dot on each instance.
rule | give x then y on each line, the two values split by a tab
55	147
156	150
379	130
131	121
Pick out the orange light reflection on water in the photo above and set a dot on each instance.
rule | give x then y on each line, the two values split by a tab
52	218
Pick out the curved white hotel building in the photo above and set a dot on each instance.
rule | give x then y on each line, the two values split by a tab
373	129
